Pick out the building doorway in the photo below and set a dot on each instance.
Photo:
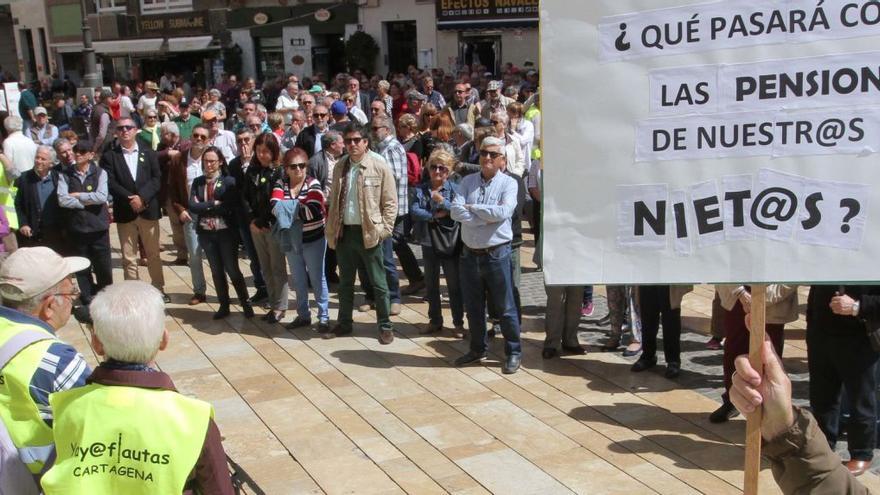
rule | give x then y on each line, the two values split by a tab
328	56
480	49
28	54
402	45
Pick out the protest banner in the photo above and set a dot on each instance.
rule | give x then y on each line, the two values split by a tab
732	141
729	141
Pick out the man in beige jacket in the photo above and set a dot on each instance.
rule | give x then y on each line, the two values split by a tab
361	214
782	308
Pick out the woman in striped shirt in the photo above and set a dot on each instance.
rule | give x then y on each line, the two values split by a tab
300	207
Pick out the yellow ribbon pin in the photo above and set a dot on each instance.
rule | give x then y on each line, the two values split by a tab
262	180
88	188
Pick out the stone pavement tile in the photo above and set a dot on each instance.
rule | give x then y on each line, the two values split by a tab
505	471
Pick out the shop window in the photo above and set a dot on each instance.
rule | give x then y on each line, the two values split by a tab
106	6
158	6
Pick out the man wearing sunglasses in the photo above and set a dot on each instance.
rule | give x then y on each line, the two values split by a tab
459	109
485	207
310	137
133	178
361	215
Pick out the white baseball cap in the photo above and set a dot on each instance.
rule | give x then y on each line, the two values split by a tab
29	272
40	111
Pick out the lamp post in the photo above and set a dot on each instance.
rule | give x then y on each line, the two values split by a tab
90	78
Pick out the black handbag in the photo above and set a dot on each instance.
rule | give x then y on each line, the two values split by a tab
445	237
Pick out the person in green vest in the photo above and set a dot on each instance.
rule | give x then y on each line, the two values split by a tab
186	121
129	430
38	288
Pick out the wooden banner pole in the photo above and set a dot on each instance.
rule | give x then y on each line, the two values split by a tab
753	424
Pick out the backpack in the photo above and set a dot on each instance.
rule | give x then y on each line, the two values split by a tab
413	169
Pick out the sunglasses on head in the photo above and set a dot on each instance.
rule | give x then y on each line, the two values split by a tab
491	154
299	165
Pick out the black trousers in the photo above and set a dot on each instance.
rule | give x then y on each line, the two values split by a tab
404	253
96	247
654	301
221	249
848	362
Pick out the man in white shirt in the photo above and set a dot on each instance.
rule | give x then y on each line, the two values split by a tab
224	140
19	151
287	102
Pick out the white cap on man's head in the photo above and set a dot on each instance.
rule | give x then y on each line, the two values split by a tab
29	272
40	111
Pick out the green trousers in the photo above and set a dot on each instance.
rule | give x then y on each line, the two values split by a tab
350	252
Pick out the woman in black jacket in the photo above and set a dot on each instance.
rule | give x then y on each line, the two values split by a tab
213	202
259	180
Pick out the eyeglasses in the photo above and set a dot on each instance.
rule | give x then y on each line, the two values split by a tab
210	162
299	165
348	100
243	141
125	128
200	137
352	140
439	168
460	91
152	117
319	115
491	154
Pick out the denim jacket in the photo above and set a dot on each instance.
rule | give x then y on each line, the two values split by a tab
287	228
422	208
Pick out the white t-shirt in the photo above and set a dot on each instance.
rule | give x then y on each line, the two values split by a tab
193	170
126	107
225	141
21	150
147	103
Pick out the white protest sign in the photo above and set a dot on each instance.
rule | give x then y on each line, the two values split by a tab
12	96
728	141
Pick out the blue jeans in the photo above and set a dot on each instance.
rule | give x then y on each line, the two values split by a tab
309	262
196	269
489	275
433	264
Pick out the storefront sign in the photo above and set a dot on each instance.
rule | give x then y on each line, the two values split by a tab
186	23
455	13
261	18
322	15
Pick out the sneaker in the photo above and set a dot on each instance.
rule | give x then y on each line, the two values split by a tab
386	337
470	358
395	309
366	306
413	288
587	309
166	298
714	344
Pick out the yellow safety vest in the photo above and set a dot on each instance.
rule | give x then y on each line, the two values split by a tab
125	440
529	115
7	199
18	411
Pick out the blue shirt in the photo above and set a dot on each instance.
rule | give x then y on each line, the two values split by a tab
484	209
422	208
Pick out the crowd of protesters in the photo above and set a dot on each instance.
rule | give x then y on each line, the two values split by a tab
320	183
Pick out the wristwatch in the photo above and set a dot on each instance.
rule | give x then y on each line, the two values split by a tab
855	308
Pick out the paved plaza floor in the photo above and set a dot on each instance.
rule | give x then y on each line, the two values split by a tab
300	414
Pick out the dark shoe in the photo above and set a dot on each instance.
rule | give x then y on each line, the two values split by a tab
82	315
714	344
181	262
323	327
412	288
386	337
630	352
298	322
338	331
470	358
549	353
431	328
197	299
259	296
166	298
266	316
857	467
644	363
221	313
723	413
275	318
332	278
672	370
247	310
574	349
495	329
610	346
511	364
459	331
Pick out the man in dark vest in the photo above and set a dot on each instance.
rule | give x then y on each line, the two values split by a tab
82	194
100	122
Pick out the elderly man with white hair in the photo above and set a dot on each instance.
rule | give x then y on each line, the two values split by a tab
18	150
165	441
484	207
36	202
38	288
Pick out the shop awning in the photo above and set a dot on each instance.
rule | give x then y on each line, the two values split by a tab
190	43
150	45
